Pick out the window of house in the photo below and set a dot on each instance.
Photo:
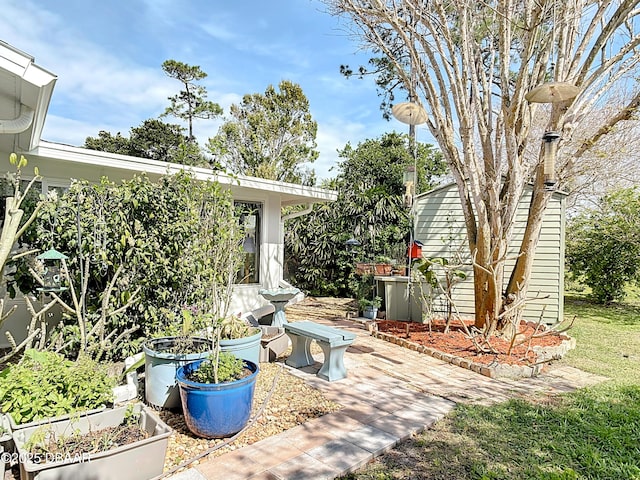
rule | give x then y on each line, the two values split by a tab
250	218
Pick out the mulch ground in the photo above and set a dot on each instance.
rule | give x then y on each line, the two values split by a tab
457	342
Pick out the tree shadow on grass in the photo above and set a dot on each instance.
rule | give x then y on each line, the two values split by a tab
615	313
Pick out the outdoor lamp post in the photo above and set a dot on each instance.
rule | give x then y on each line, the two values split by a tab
550	140
412	114
51	277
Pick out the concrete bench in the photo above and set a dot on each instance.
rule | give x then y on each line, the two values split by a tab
334	343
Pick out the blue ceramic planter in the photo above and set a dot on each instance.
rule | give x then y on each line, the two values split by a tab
216	410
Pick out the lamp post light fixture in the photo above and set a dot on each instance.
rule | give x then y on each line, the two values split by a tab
51	276
550	140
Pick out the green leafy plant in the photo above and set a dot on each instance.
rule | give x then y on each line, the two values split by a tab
45	384
370	208
232	327
223	368
383	259
166	242
603	245
374	302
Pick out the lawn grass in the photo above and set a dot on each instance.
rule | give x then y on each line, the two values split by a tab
591	434
607	338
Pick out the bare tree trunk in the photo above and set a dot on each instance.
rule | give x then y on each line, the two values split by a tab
518	285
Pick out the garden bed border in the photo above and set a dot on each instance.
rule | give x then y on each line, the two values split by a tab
497	371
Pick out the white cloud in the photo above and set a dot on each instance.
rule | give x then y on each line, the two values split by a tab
89	75
220	30
74	132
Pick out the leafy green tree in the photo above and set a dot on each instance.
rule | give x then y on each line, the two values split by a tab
152	139
603	245
269	136
106	142
190	103
370	207
154	232
156	140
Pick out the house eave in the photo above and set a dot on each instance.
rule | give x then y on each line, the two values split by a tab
291	194
25	94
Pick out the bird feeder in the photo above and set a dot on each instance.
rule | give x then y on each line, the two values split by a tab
409	179
409	175
550	150
51	277
415	250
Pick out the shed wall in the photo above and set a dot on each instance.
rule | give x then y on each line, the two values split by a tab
440	227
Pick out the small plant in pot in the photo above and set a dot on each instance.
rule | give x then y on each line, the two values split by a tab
369	307
237	336
217	392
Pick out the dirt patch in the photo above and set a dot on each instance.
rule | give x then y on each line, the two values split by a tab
78	445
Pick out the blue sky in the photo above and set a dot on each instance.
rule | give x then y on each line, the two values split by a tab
108	56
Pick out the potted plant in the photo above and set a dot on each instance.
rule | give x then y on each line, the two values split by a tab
165	354
45	385
239	337
217	392
130	440
383	265
212	407
369	307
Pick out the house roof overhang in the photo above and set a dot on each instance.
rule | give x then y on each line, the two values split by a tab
25	93
75	162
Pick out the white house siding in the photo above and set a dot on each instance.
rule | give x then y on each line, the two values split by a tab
440	227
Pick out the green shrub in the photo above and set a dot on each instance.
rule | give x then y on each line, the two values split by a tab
162	235
45	384
603	245
230	368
